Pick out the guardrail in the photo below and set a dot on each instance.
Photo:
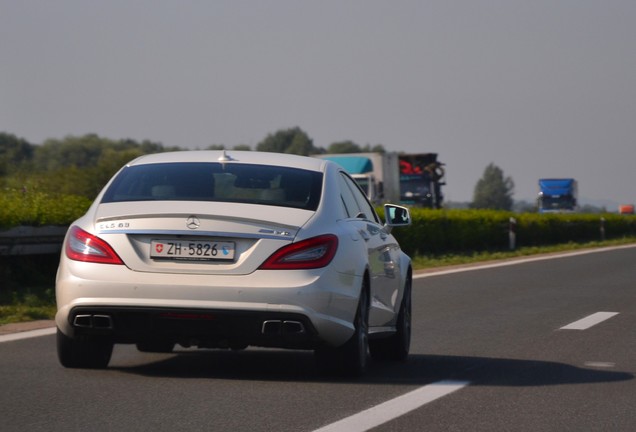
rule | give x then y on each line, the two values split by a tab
28	240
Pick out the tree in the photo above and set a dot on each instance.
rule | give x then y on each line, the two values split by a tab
72	151
14	152
377	148
493	191
349	146
215	147
242	147
344	147
86	151
294	141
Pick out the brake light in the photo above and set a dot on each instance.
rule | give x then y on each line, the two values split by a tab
82	246
312	253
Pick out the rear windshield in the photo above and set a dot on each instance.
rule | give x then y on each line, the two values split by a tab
205	181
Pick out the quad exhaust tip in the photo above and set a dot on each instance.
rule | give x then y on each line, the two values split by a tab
93	321
278	327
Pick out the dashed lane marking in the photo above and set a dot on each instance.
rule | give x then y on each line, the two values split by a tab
589	321
394	408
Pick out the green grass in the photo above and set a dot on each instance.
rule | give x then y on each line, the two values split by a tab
427	262
35	305
27	288
22	313
38	301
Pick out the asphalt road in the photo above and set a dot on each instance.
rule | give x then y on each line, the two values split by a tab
489	353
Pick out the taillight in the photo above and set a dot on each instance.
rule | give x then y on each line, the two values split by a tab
82	246
312	253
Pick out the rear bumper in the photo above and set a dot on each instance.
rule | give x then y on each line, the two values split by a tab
207	310
204	328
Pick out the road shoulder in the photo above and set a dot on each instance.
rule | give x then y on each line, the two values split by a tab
25	326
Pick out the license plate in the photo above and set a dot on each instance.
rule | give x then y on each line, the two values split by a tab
196	250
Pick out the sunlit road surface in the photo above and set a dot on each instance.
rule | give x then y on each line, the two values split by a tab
547	344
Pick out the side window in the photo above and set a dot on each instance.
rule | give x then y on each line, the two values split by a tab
351	205
361	204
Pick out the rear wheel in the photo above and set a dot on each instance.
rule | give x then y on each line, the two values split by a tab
397	346
351	358
85	353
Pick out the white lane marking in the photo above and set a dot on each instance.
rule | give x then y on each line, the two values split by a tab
600	364
394	408
589	321
27	334
470	267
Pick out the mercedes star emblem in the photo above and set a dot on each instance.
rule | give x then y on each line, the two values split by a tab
193	222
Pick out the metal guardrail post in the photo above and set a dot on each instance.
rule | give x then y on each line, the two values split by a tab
602	229
512	234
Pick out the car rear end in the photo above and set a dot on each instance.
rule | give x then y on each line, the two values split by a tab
224	253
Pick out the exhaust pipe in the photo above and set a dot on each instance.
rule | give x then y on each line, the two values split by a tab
102	321
93	321
277	327
293	327
272	327
84	321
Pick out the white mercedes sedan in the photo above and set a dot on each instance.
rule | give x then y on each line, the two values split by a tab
229	249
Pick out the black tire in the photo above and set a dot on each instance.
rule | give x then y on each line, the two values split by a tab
396	347
351	358
83	353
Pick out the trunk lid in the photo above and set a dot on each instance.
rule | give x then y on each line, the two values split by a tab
218	237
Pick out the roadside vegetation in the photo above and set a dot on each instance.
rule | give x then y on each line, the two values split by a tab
439	261
30	307
28	288
35	300
54	183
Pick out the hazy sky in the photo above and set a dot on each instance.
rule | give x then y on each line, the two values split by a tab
540	88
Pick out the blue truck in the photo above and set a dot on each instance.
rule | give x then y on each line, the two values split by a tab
557	195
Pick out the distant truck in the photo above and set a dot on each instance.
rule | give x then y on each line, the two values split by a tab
376	173
557	195
411	179
421	180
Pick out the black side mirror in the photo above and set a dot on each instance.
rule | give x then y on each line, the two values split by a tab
397	215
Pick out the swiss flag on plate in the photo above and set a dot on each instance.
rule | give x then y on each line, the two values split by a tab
158	247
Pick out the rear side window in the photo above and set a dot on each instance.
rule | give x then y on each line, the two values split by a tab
229	182
355	202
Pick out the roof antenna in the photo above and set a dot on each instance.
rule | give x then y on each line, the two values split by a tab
225	157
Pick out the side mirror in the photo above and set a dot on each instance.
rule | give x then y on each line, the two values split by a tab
397	215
